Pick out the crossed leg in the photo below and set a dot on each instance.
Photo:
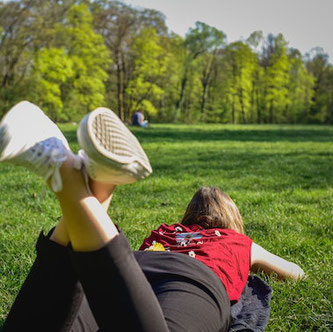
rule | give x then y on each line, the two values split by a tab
103	193
117	291
85	222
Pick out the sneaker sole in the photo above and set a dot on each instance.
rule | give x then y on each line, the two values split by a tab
110	144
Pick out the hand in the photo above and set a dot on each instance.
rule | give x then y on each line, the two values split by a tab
297	271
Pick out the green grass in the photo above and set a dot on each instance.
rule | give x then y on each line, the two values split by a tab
281	178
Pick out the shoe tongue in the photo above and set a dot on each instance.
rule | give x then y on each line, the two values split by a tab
58	155
56	182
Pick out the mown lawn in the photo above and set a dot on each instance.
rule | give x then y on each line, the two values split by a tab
281	178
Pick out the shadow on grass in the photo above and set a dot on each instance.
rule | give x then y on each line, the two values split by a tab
273	134
272	169
163	133
70	134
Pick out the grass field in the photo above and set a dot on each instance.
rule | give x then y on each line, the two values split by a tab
281	178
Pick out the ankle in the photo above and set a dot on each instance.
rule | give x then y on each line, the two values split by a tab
102	191
73	183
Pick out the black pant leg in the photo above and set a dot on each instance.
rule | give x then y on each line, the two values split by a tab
84	320
51	294
117	290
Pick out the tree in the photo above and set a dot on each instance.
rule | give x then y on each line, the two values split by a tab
317	64
67	74
90	60
203	38
300	89
51	70
25	27
256	41
149	67
170	78
276	67
119	23
241	65
17	35
209	59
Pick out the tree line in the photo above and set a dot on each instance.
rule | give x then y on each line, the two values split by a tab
71	56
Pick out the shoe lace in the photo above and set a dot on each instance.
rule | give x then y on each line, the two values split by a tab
47	157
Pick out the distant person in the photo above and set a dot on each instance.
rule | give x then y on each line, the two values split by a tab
138	119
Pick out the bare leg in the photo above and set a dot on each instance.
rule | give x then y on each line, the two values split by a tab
59	234
103	193
87	223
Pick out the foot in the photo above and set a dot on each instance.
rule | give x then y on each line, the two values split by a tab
110	152
29	138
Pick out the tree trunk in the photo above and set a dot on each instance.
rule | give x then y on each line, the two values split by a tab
242	105
271	111
203	100
120	87
258	107
180	101
233	113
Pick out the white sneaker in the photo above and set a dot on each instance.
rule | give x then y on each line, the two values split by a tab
29	138
111	153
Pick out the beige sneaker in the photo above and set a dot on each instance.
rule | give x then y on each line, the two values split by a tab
110	152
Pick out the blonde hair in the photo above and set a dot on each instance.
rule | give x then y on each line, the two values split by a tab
212	208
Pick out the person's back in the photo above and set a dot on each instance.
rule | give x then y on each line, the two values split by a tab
212	231
225	251
137	119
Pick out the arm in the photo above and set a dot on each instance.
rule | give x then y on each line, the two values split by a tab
262	259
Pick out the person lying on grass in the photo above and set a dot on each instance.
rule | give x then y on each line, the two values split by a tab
86	277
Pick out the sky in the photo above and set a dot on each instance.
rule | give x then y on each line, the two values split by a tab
305	24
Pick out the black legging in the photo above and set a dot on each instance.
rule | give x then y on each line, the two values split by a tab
126	291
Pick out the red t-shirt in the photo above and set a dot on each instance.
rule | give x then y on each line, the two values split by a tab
225	251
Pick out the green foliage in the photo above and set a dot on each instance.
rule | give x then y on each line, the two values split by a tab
241	63
52	69
90	58
317	65
203	38
68	70
276	79
71	56
150	64
198	42
170	81
300	90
